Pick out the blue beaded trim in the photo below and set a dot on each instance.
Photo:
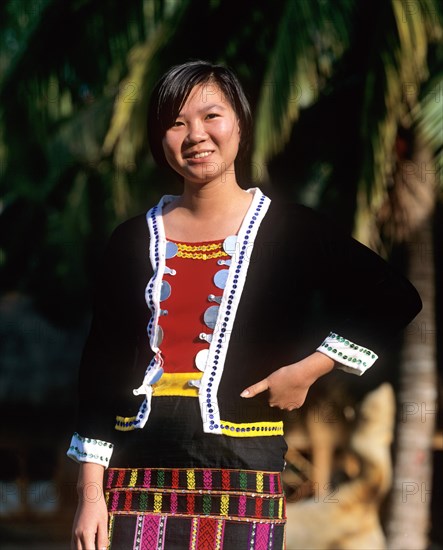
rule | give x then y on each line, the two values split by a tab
125	424
252	429
155	260
226	315
152	297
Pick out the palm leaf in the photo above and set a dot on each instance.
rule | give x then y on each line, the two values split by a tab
53	84
19	36
396	71
127	131
312	36
428	119
57	86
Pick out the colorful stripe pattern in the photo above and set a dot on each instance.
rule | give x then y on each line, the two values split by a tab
195	509
206	479
234	506
261	536
206	534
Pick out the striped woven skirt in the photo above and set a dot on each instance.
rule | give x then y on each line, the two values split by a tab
194	509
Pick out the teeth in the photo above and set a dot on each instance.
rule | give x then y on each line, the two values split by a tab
201	155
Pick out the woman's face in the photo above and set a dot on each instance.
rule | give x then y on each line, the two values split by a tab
203	142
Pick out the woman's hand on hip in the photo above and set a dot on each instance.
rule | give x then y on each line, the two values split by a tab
289	385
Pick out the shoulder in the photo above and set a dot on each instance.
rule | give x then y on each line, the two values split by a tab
129	239
131	228
129	232
297	218
293	210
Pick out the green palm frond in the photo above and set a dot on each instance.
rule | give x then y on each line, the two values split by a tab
60	67
397	68
54	84
62	96
127	131
23	20
428	119
313	35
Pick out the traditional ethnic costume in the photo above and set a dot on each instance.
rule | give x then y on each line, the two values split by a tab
195	466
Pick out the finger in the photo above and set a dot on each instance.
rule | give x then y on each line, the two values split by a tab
255	389
102	536
76	542
276	404
87	542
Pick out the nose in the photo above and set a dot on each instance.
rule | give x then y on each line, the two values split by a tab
196	132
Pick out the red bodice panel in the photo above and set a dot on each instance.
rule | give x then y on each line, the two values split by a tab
191	285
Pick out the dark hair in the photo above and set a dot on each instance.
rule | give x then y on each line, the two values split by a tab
171	92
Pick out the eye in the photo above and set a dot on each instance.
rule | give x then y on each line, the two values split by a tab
177	123
212	115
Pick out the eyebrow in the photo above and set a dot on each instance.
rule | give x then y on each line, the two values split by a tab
208	108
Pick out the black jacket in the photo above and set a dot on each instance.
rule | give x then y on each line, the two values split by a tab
304	279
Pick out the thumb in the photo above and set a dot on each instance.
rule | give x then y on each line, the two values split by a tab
253	390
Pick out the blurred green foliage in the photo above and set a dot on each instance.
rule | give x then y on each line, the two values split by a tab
330	83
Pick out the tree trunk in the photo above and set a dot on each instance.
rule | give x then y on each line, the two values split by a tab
409	521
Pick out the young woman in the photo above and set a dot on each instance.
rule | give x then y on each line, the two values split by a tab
200	339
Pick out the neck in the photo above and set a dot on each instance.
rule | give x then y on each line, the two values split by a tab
206	212
209	199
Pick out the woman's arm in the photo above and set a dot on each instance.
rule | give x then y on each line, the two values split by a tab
367	303
110	351
105	371
90	528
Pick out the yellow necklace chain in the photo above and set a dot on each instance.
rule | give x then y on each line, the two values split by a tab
201	252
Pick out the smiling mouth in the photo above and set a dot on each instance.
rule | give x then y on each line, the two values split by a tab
199	155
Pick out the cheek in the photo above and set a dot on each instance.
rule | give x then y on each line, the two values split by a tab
230	133
169	147
166	142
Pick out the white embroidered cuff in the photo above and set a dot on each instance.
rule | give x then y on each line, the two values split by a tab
353	358
84	449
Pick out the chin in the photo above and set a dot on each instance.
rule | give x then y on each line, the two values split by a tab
199	180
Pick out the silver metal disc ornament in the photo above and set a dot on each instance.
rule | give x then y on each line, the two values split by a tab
158	338
210	316
165	291
171	250
220	278
201	358
229	244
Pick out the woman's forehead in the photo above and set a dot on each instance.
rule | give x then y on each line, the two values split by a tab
205	96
